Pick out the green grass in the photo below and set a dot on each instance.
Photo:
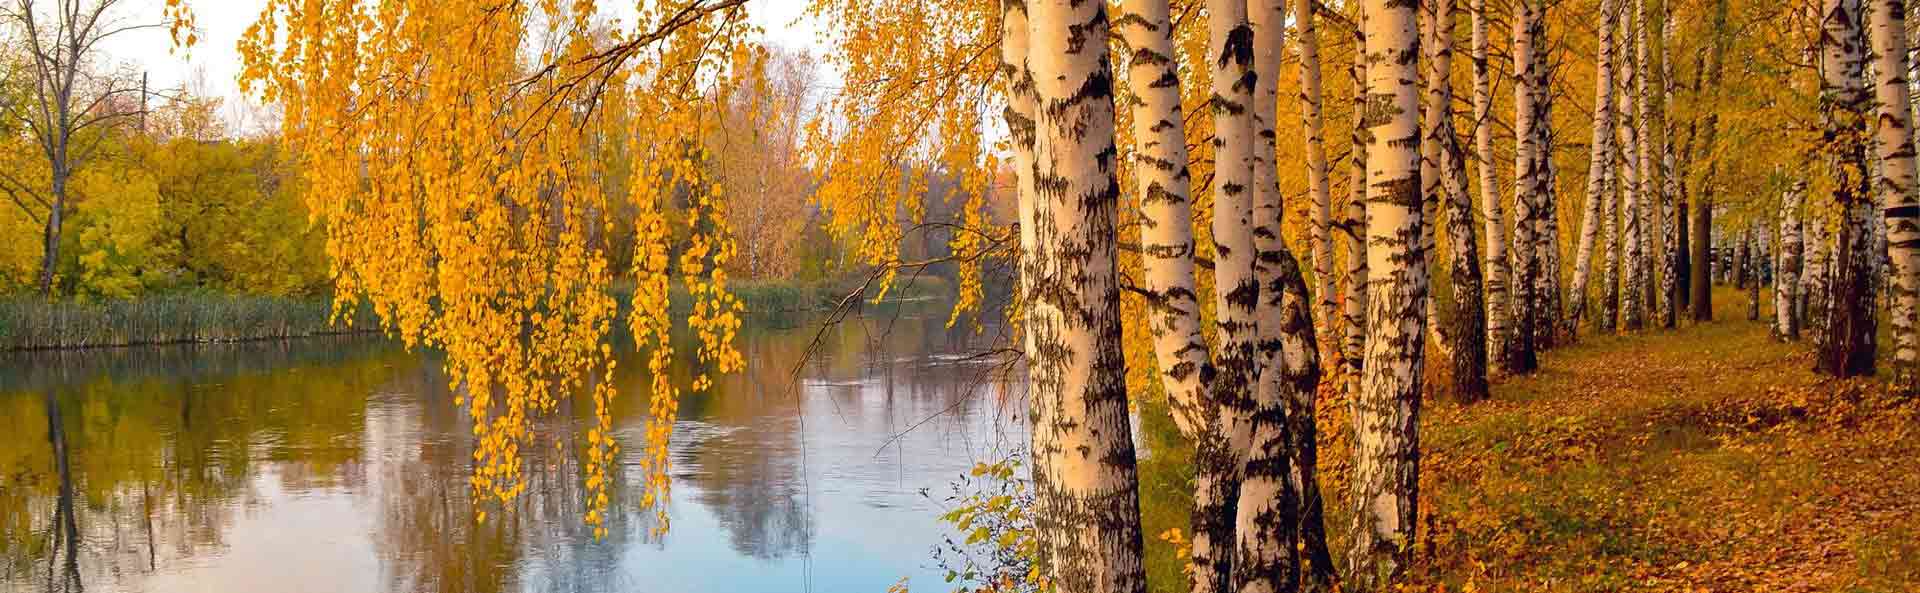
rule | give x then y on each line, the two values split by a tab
28	323
33	324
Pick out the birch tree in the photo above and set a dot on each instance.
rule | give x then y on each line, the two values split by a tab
1847	349
1600	162
1529	186
1266	530
1354	309
1236	294
1633	308
1786	279
1387	411
1087	518
1498	273
1897	191
1320	239
1467	352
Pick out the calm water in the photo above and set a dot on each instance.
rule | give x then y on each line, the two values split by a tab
341	465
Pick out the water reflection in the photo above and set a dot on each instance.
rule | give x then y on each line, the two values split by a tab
341	465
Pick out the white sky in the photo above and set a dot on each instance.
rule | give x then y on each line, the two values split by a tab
222	22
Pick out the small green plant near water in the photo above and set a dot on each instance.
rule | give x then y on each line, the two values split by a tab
34	324
990	510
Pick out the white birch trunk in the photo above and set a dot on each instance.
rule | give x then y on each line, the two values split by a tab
1632	307
1354	309
1236	294
1266	554
1848	349
1467	350
1166	229
1900	210
1386	413
1498	273
1320	237
1085	483
1600	163
1529	186
1786	278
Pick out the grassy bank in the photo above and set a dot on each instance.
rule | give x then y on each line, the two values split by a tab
31	324
1707	458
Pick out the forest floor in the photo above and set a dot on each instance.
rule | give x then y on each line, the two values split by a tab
1706	458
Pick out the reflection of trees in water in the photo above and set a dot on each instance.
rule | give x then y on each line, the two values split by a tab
427	533
156	451
167	446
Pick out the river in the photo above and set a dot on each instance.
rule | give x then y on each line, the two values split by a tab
341	464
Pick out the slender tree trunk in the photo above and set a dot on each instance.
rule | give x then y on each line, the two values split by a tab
1786	280
1848	349
1600	163
1468	351
1633	308
1753	288
1353	349
1166	231
1529	186
1672	207
1901	211
1386	413
1086	487
1547	315
1649	201
1266	557
1498	273
1317	561
1236	292
1814	293
50	232
1320	237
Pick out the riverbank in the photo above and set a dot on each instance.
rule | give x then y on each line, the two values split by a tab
31	324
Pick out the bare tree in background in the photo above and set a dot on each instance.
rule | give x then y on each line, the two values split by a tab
68	97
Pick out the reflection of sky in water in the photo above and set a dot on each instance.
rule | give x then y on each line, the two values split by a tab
341	466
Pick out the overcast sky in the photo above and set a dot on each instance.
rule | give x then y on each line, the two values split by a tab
222	22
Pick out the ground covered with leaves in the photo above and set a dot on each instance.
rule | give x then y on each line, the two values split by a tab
1707	458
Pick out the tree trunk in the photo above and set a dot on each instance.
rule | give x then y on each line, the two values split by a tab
1166	231
1266	552
1672	208
1753	286
1600	163
1548	311
1467	334
1354	312
1236	292
1815	277
1498	273
1529	187
1901	210
1317	562
1633	310
1649	201
1786	280
1086	488
50	236
1386	414
1320	237
1848	348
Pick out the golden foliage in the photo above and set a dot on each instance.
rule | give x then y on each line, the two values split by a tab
463	200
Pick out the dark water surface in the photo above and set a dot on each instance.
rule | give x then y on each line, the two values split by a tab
340	464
